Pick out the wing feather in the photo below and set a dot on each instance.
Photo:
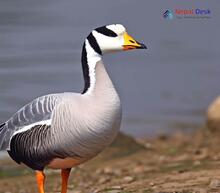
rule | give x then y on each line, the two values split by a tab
36	111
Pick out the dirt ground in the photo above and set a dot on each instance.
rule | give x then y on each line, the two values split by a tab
180	163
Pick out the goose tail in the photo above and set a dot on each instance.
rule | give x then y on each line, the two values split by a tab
2	135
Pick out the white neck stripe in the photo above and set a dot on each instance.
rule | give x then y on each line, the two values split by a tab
92	58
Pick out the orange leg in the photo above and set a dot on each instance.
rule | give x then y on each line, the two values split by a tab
65	176
40	181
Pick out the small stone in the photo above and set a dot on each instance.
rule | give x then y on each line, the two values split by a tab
152	184
213	115
215	157
214	184
99	171
197	163
148	146
22	191
116	188
71	186
75	191
103	180
162	159
139	169
108	170
128	179
117	172
114	191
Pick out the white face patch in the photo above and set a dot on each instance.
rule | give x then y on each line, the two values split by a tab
117	28
109	44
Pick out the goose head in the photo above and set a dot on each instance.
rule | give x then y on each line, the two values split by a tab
111	38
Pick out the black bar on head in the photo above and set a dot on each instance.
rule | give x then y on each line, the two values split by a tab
93	43
105	31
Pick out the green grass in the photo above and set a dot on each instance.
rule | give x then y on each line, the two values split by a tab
13	172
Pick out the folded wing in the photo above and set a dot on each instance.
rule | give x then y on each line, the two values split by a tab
37	112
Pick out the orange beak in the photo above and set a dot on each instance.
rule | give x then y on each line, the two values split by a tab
130	43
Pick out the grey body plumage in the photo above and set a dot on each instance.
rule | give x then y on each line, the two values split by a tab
81	125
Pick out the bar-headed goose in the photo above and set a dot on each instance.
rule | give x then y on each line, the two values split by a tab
63	130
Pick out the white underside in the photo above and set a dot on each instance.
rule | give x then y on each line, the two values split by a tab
59	163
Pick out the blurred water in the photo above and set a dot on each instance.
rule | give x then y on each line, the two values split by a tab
165	88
